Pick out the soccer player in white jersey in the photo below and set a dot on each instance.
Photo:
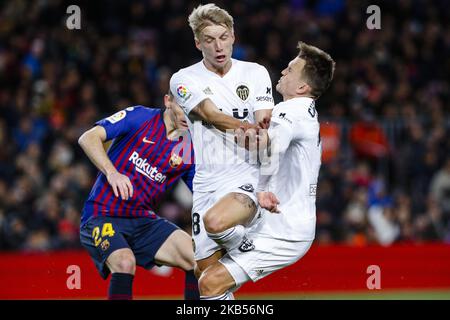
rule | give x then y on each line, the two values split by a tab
287	181
220	93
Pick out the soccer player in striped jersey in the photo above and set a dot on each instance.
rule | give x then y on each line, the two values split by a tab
150	153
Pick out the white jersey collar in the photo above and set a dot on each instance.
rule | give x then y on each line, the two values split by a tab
233	63
306	101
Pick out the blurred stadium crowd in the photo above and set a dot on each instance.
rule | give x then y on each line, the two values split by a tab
385	120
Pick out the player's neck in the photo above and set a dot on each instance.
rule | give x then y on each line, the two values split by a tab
219	71
172	133
288	97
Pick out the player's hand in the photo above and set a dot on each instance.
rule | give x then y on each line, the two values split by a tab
246	135
268	201
239	136
120	184
264	124
247	125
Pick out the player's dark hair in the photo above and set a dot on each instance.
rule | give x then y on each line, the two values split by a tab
318	70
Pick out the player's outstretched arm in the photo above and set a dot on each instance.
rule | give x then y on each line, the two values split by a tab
208	112
91	142
254	139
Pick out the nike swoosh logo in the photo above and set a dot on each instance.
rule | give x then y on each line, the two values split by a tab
148	141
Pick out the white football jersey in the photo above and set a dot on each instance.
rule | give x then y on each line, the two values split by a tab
244	89
295	163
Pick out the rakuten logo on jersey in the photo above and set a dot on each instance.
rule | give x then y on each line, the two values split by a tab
146	169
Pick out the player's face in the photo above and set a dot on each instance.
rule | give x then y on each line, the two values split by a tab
291	82
216	43
176	114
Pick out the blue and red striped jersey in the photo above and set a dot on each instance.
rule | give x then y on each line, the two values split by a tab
141	151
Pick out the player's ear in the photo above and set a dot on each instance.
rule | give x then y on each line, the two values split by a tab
303	89
167	101
197	43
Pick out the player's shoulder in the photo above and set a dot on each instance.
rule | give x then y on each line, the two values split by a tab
133	115
249	66
301	108
142	112
301	102
189	71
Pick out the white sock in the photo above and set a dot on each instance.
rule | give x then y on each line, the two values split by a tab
230	238
226	296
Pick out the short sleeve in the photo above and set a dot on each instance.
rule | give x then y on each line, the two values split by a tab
187	91
281	131
307	123
122	122
262	98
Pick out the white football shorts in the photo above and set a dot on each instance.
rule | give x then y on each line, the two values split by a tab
202	202
260	255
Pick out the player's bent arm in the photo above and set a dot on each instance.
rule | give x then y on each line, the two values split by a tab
91	142
275	145
251	139
208	112
271	153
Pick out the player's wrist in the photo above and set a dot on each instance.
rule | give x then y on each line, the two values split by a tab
110	171
247	125
260	190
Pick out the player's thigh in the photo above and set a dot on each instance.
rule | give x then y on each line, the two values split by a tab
149	237
232	209
204	246
176	251
215	280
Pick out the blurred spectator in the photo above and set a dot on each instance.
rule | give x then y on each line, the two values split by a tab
355	216
368	140
382	219
330	136
440	188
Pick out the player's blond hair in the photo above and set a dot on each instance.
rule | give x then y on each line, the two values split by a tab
209	15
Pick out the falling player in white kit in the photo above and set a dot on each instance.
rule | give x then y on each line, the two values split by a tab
219	94
287	181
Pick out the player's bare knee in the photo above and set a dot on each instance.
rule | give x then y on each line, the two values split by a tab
213	222
126	264
209	284
200	267
204	286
